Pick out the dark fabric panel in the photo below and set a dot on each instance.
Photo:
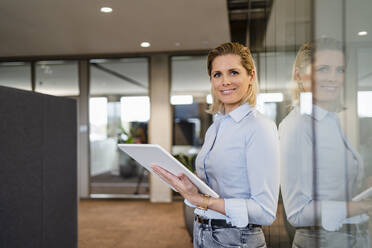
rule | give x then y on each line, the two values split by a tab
60	173
21	204
38	195
21	119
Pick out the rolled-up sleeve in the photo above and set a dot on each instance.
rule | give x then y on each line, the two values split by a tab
262	160
236	210
188	203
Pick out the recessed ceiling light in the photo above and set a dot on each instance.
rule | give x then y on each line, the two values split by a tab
362	33
106	10
145	44
177	44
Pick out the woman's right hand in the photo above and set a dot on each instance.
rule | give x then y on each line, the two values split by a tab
181	183
359	207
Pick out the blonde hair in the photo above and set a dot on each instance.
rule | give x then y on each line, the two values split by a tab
304	58
246	61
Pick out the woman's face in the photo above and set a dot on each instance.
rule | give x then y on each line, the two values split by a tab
230	80
329	72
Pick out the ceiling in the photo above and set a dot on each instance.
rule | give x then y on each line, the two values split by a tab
70	27
289	23
248	21
277	28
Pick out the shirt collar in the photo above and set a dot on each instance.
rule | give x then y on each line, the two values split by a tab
318	113
237	114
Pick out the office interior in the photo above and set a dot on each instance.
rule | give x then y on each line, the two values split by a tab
137	71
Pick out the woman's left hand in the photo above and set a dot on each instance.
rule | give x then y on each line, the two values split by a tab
181	183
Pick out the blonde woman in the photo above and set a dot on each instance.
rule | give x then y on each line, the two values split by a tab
239	158
321	171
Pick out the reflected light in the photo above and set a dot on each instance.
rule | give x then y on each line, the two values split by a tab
99	61
182	99
135	108
270	97
306	103
362	33
98	118
209	99
98	110
263	98
365	103
12	63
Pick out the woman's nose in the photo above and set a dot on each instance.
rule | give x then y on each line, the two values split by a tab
225	81
332	76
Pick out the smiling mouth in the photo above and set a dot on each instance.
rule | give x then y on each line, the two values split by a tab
227	92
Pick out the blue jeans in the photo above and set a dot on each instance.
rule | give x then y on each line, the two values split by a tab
207	236
305	238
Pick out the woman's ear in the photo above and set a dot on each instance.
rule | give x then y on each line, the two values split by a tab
297	75
252	77
302	75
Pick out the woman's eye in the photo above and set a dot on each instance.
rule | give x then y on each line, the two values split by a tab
216	75
322	69
234	73
341	70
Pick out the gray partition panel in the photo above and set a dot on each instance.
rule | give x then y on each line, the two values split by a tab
38	170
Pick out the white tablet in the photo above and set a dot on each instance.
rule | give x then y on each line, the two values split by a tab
365	194
147	154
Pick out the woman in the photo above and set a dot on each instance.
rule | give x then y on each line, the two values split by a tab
321	171
239	158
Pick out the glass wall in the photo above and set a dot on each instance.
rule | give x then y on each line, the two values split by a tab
316	54
274	73
364	106
16	75
313	66
119	112
57	77
190	98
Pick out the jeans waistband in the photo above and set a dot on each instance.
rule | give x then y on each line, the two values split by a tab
220	223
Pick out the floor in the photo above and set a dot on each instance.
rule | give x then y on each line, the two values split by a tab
138	223
276	235
109	183
119	223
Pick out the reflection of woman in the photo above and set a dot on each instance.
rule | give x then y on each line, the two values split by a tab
239	158
321	171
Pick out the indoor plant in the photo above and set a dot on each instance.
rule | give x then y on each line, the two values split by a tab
188	212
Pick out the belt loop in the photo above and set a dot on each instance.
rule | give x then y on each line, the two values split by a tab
200	236
210	224
357	228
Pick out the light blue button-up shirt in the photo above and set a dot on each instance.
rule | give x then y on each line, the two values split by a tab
240	161
337	165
